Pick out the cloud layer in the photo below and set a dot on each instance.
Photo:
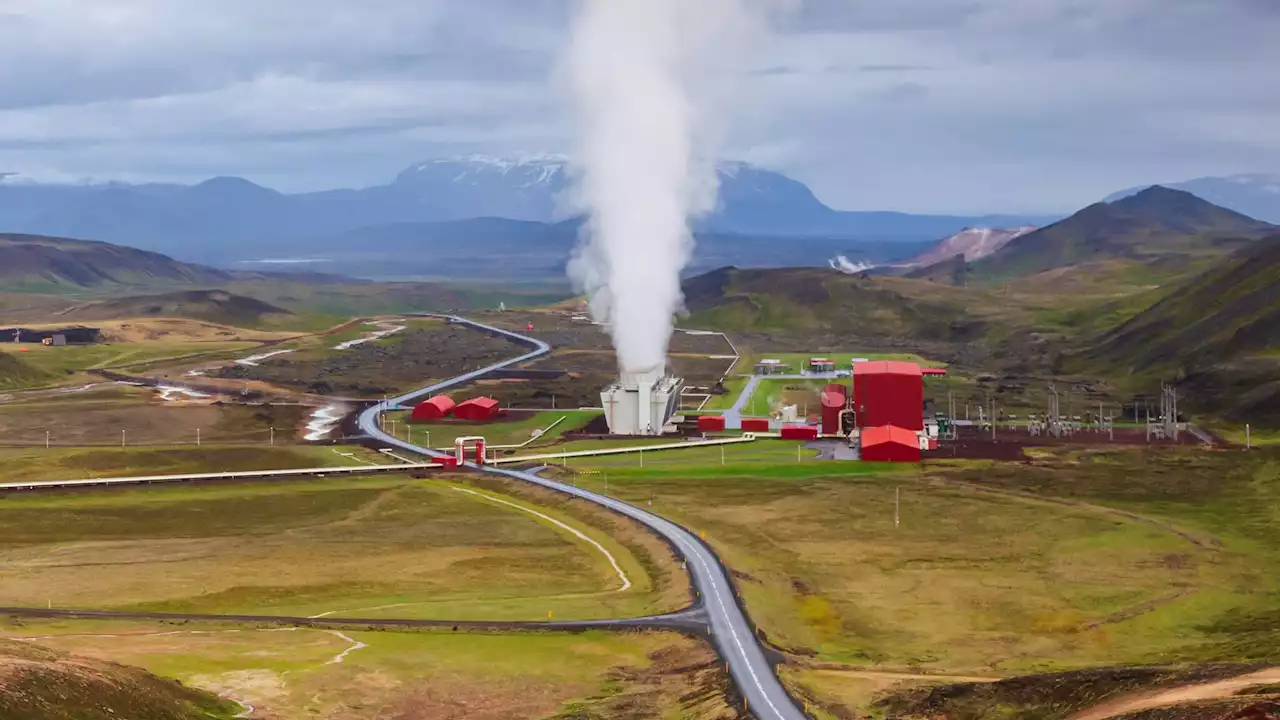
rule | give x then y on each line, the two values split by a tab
940	105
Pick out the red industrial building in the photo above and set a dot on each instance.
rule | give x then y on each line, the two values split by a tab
888	393
835	399
800	432
755	425
934	372
711	423
435	408
478	409
890	444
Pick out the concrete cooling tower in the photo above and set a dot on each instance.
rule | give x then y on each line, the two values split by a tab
641	403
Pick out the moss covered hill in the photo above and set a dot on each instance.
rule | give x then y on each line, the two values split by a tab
215	306
1218	334
15	373
1155	225
799	300
39	684
37	263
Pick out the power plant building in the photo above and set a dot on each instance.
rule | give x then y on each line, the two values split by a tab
641	403
890	444
888	393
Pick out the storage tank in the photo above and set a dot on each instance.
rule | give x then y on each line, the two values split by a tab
834	399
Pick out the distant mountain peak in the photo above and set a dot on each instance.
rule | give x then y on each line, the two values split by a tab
1254	194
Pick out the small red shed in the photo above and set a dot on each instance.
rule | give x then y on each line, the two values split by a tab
755	425
889	443
434	408
800	432
934	372
477	409
711	423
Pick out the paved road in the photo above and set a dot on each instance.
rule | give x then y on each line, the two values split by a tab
730	629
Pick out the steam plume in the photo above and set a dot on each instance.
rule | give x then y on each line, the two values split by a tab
644	158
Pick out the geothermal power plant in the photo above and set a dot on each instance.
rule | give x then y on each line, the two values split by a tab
642	403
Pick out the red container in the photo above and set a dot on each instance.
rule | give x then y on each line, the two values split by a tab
889	393
755	425
449	462
711	423
800	432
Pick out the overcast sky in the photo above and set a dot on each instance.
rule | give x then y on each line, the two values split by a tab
917	105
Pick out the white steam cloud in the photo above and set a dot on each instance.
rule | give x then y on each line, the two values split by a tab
643	75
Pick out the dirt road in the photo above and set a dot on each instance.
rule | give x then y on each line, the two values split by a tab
1180	695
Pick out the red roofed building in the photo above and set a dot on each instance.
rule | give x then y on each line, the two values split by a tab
934	372
890	444
889	393
478	409
435	408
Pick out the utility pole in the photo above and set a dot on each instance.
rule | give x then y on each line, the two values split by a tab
46	439
272	430
122	438
897	507
197	437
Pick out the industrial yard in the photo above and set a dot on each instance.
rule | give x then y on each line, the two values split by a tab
852	492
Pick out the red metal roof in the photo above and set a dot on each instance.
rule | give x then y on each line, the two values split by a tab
436	407
936	372
889	434
480	402
887	367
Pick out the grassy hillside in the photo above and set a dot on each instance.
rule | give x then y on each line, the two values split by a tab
45	264
215	306
16	373
40	684
1153	226
1218	332
791	300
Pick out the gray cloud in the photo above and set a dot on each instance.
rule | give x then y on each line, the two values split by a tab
948	105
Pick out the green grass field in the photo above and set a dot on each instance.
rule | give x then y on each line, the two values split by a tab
61	365
77	463
360	547
294	674
968	582
513	432
97	415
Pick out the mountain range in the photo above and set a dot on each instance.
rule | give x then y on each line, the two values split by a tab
228	219
1255	195
1156	224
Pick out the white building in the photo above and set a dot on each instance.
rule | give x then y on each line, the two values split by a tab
641	403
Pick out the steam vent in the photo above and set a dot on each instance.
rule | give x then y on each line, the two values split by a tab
641	403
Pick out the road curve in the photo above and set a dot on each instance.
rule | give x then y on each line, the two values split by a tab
731	632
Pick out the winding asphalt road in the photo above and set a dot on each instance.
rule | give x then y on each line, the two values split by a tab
730	629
